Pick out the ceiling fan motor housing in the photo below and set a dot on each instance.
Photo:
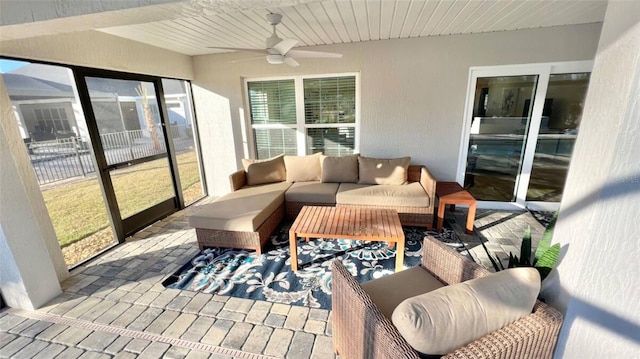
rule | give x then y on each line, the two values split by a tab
275	59
274	19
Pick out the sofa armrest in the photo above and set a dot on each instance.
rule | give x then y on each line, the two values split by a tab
237	180
359	328
448	265
533	336
428	182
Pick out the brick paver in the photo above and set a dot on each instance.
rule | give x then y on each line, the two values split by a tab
123	289
279	343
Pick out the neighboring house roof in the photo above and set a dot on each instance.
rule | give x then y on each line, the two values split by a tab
21	87
58	77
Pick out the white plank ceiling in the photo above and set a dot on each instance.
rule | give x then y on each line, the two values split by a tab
343	21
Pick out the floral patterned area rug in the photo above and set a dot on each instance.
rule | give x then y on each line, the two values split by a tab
242	273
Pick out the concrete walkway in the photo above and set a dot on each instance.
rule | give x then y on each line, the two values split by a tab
116	306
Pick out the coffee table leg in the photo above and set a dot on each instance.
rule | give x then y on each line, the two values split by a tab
293	248
399	254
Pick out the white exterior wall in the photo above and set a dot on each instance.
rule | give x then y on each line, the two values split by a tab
596	283
412	90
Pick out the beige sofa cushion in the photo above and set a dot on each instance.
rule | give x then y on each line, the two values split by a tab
303	168
339	169
383	171
243	210
389	291
409	195
312	192
264	171
448	318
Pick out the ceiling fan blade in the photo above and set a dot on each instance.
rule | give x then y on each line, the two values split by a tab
248	59
300	54
285	45
260	51
291	62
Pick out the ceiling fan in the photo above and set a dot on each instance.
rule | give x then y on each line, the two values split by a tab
279	50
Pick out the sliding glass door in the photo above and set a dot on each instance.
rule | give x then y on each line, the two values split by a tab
522	122
132	154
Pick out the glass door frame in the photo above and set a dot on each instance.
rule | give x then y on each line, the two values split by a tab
543	71
127	226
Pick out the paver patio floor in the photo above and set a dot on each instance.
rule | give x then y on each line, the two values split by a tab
116	307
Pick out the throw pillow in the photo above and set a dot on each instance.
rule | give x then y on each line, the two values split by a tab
303	168
450	317
264	171
340	169
383	171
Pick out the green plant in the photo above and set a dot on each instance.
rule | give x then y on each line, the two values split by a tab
545	257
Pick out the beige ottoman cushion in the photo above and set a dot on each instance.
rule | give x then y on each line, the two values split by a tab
244	210
448	318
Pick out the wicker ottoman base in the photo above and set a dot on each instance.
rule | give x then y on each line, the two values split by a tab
235	239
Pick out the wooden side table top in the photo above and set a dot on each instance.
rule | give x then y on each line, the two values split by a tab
350	223
452	192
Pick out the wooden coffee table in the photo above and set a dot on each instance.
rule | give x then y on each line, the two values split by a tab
351	223
451	193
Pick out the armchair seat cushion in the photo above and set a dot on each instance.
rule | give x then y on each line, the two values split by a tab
389	291
408	195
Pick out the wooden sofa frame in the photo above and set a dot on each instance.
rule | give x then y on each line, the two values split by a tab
361	331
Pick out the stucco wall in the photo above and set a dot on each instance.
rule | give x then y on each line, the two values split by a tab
596	283
99	50
412	90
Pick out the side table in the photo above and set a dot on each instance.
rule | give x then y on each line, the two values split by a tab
451	193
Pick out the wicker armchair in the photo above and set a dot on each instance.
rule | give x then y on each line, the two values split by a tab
361	331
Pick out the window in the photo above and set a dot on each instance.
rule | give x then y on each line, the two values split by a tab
304	115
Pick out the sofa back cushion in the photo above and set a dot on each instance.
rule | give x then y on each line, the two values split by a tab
303	168
264	171
451	317
339	169
383	171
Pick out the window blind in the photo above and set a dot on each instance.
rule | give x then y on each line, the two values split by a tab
334	141
330	100
272	102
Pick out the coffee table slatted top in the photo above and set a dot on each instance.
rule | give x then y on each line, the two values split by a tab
349	223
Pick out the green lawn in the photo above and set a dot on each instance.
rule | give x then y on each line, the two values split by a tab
78	210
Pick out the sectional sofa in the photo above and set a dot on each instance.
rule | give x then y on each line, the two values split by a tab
266	191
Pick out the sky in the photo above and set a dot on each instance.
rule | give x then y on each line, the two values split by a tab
8	65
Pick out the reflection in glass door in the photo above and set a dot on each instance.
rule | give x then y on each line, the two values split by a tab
499	129
558	131
523	122
135	164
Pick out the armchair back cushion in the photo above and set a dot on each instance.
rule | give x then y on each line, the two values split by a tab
443	320
264	171
303	168
383	171
340	169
